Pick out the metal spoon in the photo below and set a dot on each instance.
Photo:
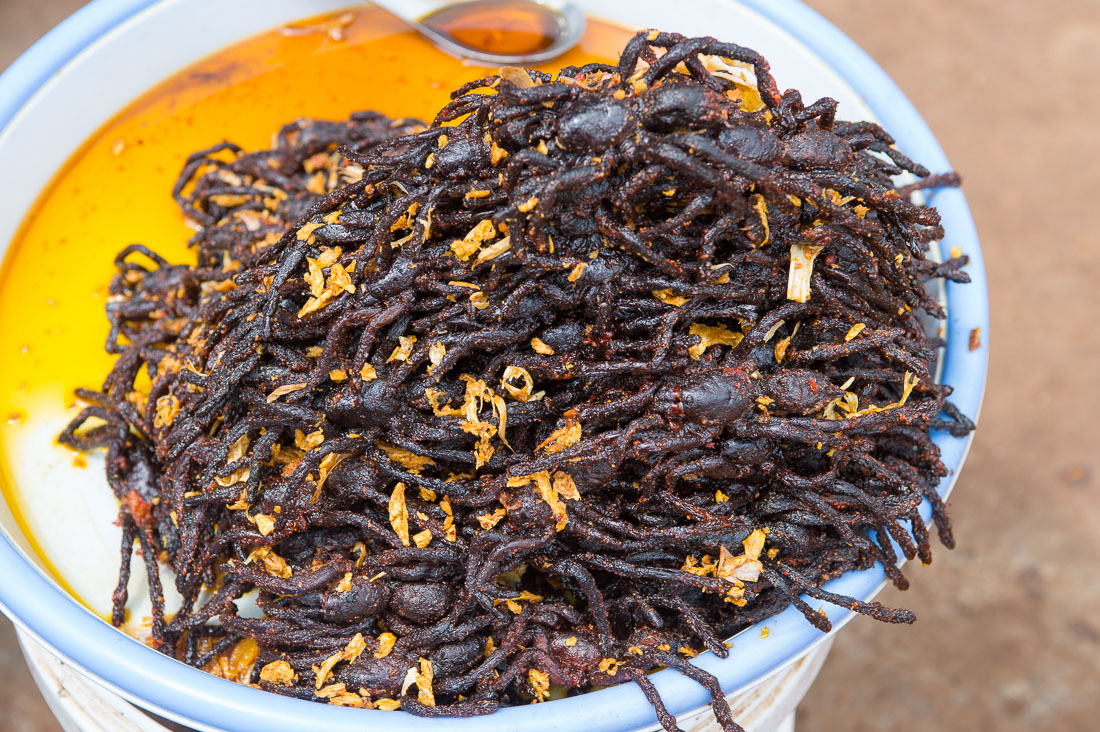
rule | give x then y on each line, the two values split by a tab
554	26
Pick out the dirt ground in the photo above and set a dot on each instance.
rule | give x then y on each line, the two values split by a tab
1008	636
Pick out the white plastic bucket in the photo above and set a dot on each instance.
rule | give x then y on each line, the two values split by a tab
82	705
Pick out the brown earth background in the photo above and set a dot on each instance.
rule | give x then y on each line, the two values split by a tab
1008	635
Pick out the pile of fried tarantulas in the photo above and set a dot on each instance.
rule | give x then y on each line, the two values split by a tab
574	383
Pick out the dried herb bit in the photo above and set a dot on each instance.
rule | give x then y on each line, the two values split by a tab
625	361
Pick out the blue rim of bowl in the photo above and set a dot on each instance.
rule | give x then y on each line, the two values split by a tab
47	613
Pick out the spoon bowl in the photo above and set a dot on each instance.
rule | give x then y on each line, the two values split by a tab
494	32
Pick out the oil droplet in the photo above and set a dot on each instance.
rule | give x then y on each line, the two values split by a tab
506	27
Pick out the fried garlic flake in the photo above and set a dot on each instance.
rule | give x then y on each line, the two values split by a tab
278	672
399	515
283	390
466	247
909	381
168	407
562	437
385	645
339	280
519	393
711	335
329	256
754	543
609	666
477	395
307	442
264	524
436	354
773	330
741	568
489	520
494	250
746	92
306	232
781	349
668	298
802	267
513	603
273	563
501	410
236	451
761	208
410	461
404	348
410	678
479	300
540	684
547	492
424	680
435	398
540	347
565	487
314	277
449	520
516	76
354	649
328	462
314	304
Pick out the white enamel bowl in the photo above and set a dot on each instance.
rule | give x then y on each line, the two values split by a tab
66	86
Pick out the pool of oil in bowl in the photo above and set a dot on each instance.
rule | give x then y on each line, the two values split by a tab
116	189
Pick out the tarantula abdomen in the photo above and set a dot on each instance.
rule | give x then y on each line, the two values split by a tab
799	391
377	676
363	598
422	602
712	397
818	149
679	103
595	127
574	650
